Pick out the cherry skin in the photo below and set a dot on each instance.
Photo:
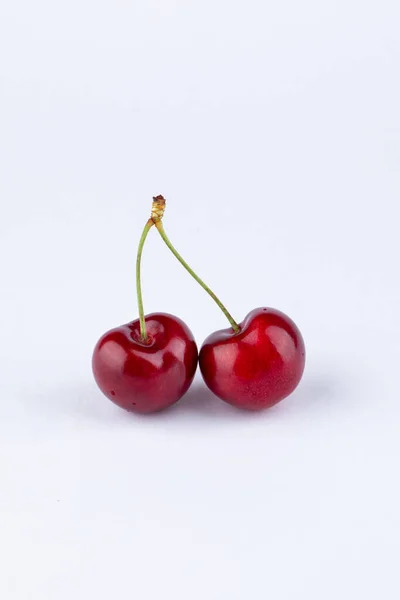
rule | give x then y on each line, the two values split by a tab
146	377
258	366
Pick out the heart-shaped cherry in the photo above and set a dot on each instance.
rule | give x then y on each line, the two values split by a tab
257	366
147	364
146	376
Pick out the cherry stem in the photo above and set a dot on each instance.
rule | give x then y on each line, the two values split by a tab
205	287
143	332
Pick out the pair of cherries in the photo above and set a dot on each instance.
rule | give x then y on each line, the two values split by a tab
148	364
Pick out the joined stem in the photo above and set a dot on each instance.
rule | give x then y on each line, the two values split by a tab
143	332
205	287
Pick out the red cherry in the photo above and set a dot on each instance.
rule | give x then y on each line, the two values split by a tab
145	377
258	366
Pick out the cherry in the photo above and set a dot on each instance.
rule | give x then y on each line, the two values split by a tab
148	364
257	366
146	376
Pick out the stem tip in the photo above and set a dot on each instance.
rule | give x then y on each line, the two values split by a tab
158	208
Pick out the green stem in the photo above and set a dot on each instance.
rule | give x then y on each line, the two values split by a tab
205	287
143	332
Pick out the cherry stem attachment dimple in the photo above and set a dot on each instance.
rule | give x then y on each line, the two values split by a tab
143	332
161	231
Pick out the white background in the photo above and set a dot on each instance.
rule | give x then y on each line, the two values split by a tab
273	130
